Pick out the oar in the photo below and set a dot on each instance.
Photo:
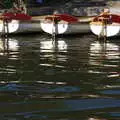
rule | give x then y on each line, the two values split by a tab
5	28
54	28
103	32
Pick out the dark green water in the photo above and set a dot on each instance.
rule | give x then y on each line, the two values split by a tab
71	78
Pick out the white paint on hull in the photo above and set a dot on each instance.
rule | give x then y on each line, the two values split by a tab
109	30
65	28
16	26
12	26
51	28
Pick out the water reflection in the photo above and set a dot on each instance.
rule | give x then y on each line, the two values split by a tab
8	50
105	56
102	51
68	78
51	62
7	46
53	45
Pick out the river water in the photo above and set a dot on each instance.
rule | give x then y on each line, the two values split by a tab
69	78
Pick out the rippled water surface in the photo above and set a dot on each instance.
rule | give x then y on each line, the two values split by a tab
69	78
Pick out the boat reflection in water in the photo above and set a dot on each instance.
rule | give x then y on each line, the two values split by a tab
51	46
103	52
7	45
9	50
68	78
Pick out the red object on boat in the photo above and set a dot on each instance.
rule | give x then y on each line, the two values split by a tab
15	16
65	17
52	18
109	17
116	18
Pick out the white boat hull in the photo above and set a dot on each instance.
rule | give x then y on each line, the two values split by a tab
16	26
65	27
108	30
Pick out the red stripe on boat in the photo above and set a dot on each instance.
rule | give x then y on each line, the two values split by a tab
110	17
16	16
65	17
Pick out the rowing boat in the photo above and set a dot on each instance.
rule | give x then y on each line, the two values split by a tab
64	24
19	26
18	23
106	25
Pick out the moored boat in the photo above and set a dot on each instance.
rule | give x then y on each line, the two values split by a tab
11	23
64	24
19	26
106	25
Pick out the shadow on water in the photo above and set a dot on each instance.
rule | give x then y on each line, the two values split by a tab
67	78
